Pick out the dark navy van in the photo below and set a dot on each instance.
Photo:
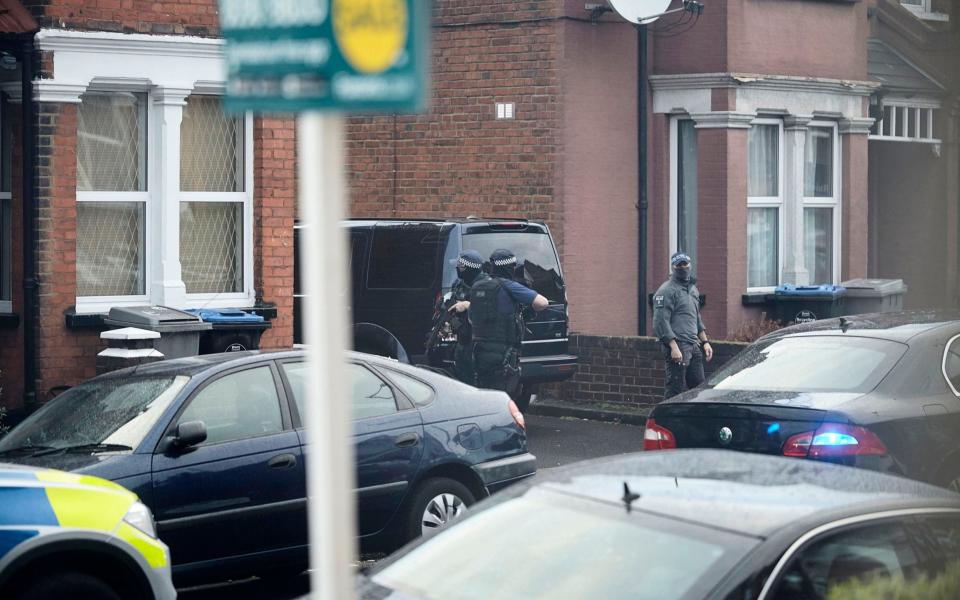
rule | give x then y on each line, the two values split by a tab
400	269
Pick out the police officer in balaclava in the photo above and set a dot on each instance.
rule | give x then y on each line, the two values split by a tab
469	270
677	324
494	307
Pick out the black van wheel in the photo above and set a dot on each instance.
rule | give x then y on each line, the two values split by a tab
527	391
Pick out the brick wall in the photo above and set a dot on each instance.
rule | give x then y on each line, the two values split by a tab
274	207
64	357
622	372
161	17
457	159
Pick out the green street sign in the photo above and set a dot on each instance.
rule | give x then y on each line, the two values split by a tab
339	55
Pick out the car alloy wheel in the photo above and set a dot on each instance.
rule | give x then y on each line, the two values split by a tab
440	510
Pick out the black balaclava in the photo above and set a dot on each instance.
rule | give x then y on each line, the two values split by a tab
469	265
680	274
502	263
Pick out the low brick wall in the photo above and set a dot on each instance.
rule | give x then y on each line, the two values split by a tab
622	372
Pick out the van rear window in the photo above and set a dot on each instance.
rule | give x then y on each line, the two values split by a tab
535	247
404	256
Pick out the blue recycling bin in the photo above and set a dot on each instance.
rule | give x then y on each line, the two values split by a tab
232	330
792	304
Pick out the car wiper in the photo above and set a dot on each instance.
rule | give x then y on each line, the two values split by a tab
28	449
99	447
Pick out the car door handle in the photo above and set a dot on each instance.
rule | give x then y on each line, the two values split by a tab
406	440
282	461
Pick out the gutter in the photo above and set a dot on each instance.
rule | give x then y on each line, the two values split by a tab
642	178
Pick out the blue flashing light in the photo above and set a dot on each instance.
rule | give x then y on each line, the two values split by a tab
834	439
773	429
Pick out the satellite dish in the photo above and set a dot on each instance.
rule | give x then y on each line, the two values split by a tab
640	12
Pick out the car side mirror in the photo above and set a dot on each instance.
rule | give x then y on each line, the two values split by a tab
189	434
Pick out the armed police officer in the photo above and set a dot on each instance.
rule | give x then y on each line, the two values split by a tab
677	324
495	312
469	270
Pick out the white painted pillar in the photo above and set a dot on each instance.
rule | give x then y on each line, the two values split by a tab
167	287
795	137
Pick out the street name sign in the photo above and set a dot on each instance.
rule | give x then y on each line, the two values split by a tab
336	55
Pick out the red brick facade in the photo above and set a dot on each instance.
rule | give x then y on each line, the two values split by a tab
458	159
182	17
274	206
64	357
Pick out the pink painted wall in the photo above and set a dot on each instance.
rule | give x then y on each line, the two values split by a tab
855	221
808	39
775	37
600	176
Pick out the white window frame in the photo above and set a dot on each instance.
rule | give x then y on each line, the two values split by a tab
924	110
244	298
925	11
831	202
675	179
155	194
770	202
6	218
102	304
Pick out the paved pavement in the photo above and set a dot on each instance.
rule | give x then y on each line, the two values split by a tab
556	441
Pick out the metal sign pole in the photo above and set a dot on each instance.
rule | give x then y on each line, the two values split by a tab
330	460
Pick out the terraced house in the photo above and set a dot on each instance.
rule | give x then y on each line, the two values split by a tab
776	141
126	184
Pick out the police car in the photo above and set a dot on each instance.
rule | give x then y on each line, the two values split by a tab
77	536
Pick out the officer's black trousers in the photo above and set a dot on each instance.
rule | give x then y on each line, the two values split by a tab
463	364
684	375
498	367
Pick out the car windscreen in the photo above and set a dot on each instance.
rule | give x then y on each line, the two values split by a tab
531	246
553	545
811	364
110	411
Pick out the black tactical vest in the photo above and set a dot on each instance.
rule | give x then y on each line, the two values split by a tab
489	325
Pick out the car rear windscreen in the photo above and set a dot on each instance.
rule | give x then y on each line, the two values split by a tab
548	545
811	364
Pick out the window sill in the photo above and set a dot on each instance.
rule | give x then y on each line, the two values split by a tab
9	321
84	321
754	298
94	321
928	16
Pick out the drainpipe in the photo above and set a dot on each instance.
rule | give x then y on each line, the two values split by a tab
642	177
30	215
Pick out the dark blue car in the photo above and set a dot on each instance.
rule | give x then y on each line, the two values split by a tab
214	446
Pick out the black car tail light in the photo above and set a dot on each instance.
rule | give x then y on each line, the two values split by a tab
834	439
656	437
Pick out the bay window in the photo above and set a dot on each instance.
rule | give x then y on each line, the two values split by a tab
792	213
764	203
820	202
